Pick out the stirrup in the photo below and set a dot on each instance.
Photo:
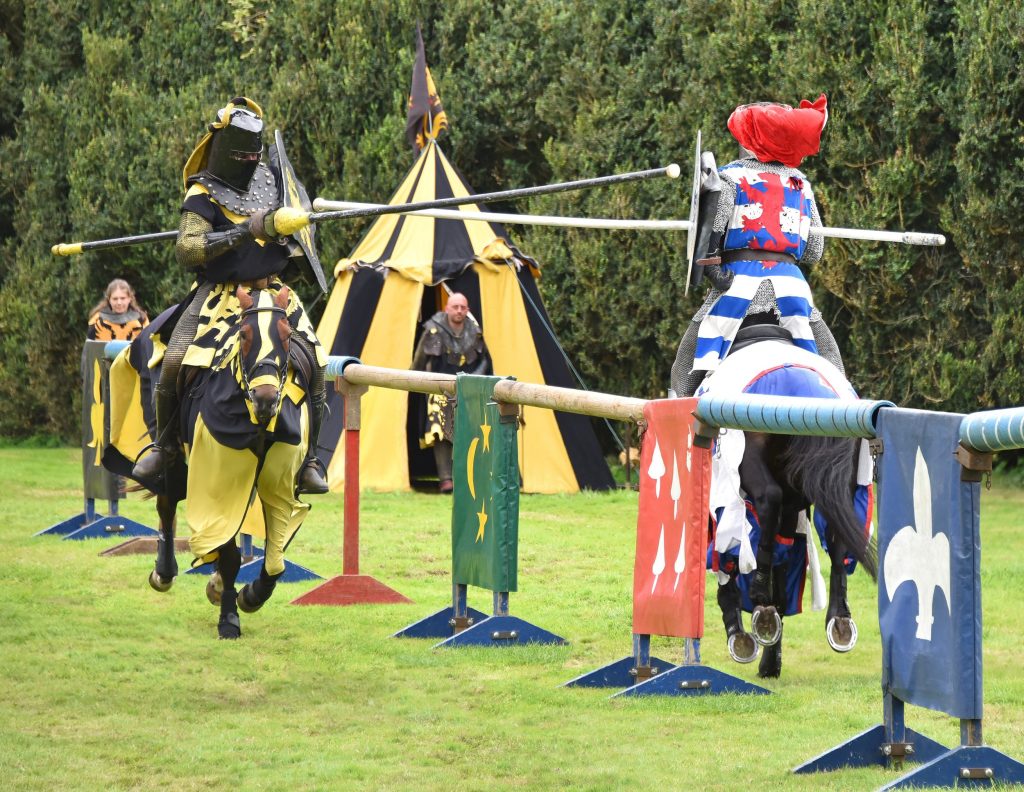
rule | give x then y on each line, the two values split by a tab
143	467
312	478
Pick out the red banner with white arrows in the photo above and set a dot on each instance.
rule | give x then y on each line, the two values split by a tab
672	524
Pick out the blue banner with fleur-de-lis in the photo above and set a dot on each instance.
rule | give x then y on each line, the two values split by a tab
485	468
929	576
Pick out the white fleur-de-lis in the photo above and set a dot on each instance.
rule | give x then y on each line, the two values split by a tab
915	554
680	565
659	560
676	491
657	468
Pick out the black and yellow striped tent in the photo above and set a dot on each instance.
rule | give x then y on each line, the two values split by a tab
399	275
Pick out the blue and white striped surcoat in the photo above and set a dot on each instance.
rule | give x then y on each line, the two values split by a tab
762	207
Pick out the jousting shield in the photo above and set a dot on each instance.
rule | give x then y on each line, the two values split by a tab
691	236
294	196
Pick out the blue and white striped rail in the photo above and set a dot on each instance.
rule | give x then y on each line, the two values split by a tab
795	415
993	430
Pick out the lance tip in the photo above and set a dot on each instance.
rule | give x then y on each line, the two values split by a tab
672	171
66	249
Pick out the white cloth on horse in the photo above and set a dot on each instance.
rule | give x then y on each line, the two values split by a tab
736	374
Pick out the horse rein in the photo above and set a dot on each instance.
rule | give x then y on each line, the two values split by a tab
265	362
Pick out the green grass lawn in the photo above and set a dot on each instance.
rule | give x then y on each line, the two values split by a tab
108	685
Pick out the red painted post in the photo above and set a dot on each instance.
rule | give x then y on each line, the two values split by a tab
351	588
350	554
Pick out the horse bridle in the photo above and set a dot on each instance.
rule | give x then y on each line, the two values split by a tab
279	371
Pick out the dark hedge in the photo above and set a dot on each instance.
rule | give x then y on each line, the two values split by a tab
100	104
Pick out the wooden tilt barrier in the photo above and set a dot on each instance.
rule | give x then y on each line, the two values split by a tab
352	379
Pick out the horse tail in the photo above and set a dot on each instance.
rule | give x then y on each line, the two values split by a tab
824	469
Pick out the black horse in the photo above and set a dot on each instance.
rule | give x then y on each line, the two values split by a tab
243	424
783	476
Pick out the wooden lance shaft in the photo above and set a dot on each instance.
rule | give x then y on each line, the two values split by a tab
627	224
289	220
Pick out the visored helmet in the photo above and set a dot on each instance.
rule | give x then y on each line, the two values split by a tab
230	150
235	148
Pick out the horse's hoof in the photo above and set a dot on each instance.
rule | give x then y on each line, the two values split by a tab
160	584
229	627
766	625
841	633
743	648
215	588
243	602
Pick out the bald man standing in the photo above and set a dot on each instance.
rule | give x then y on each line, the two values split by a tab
452	342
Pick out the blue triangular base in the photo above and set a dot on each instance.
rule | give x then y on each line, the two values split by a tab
617	674
207	569
250	571
692	680
116	526
101	527
501	631
966	765
293	573
64	527
865	750
437	625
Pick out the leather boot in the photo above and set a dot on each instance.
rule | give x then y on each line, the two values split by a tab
152	465
443	460
312	478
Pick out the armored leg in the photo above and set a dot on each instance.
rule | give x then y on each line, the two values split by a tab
826	343
684	380
312	478
443	460
165	448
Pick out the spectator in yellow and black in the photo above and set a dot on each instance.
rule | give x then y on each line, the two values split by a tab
118	316
452	342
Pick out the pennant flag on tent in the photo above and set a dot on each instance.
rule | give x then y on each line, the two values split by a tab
426	117
929	582
485	511
671	529
397	277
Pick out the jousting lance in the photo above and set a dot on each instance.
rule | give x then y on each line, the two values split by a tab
627	224
288	220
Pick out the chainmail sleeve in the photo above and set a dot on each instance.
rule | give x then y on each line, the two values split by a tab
726	203
190	248
198	243
815	242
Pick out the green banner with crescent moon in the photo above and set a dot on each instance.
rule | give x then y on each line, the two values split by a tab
485	511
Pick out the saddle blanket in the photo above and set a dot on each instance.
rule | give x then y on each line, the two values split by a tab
767	368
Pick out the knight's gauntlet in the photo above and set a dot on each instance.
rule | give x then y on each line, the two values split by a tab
719	276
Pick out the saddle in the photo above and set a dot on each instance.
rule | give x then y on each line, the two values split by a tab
752	334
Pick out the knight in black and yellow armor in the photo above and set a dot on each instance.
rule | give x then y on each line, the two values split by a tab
227	237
